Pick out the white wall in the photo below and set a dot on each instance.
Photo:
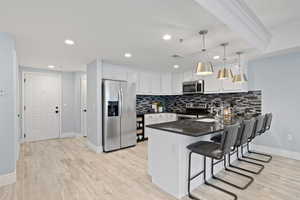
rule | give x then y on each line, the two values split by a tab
8	106
77	103
68	103
94	105
278	78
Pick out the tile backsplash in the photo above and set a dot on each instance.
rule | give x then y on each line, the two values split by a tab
247	102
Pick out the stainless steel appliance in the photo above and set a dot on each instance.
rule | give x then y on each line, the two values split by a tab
193	111
119	114
193	87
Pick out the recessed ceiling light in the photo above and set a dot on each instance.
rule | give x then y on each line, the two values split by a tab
167	37
128	55
69	42
216	57
51	66
176	66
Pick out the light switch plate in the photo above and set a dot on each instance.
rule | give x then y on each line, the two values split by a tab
1	92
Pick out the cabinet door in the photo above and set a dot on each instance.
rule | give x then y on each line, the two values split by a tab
166	84
114	73
212	84
145	83
155	84
177	79
188	75
133	77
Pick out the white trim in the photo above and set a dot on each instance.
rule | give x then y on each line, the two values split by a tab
8	179
70	134
276	151
97	149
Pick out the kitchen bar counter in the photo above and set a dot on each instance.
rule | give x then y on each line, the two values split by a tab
168	155
189	127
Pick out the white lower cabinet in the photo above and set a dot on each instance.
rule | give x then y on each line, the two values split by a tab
158	118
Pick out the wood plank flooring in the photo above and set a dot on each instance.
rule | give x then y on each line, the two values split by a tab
65	169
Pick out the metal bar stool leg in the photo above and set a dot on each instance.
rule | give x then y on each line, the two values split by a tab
217	187
258	153
191	178
244	169
227	182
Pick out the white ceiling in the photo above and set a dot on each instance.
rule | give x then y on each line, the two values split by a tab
108	29
274	13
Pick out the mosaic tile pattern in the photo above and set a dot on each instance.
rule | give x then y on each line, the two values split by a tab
248	102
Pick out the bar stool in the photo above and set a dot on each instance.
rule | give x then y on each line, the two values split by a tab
213	151
246	130
263	122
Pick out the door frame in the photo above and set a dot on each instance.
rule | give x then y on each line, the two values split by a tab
23	139
82	77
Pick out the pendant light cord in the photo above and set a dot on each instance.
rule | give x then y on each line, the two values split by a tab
224	56
203	42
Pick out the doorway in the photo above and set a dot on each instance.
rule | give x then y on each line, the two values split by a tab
42	106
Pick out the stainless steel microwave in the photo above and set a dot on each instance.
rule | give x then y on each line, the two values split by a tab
193	87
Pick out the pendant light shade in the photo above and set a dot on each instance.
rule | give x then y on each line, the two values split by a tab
240	77
224	73
204	67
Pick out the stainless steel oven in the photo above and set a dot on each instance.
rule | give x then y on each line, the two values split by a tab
193	87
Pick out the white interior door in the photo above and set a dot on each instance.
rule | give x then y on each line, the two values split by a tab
42	98
83	105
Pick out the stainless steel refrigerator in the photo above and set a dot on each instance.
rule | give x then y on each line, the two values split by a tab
119	114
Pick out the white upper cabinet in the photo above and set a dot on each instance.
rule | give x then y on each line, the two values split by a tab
145	85
155	84
188	76
212	84
114	72
177	79
133	77
166	84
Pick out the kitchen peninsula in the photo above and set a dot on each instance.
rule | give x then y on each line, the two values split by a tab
168	155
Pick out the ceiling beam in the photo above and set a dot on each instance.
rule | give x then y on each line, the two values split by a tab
240	19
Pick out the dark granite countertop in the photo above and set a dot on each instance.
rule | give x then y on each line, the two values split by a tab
147	113
193	127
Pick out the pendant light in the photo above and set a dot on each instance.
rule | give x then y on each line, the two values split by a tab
204	67
224	73
240	77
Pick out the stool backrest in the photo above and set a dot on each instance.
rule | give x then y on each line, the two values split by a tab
248	126
268	121
259	125
229	137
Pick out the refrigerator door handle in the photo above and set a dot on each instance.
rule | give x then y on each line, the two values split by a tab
121	100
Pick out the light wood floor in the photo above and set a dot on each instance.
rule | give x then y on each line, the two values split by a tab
65	169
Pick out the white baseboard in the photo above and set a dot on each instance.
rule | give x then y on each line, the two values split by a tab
276	151
7	179
97	149
69	134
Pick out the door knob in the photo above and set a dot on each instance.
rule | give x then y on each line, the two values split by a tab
84	110
57	111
